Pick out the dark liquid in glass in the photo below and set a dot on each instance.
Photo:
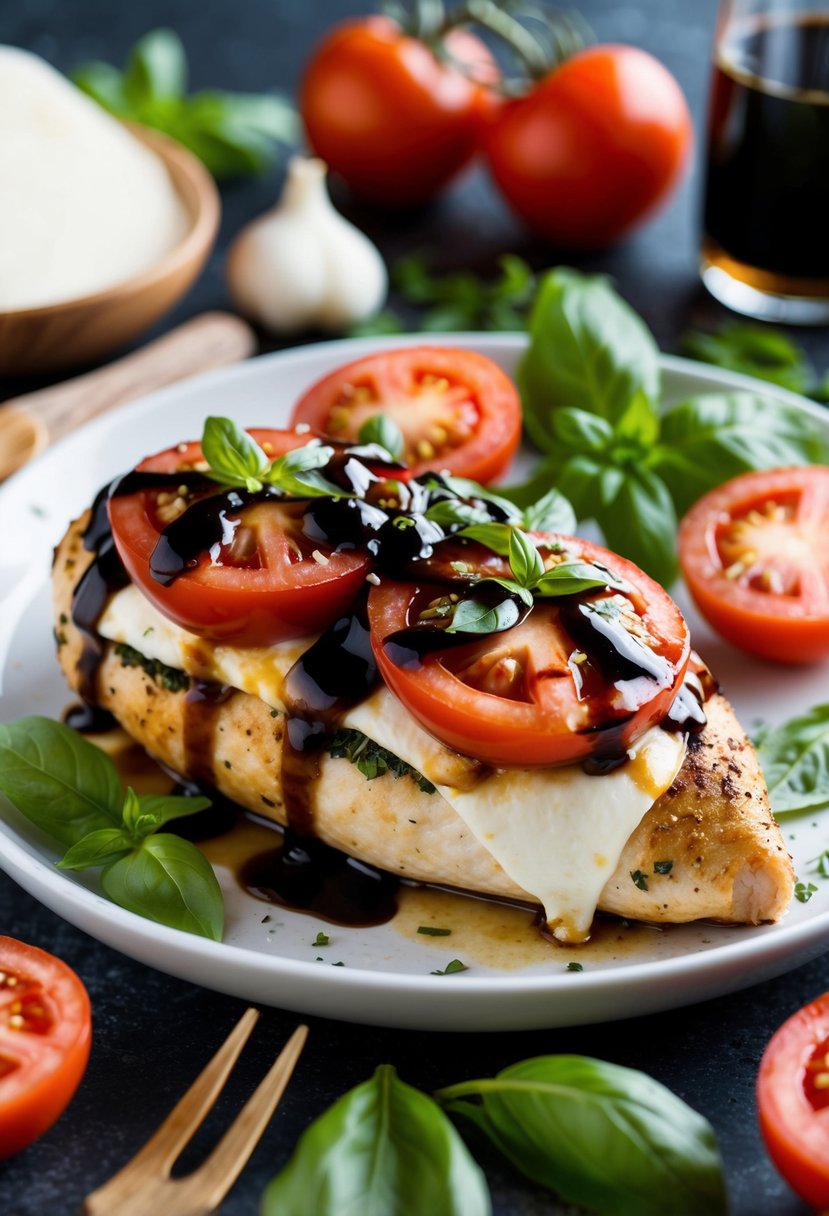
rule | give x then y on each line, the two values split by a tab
767	196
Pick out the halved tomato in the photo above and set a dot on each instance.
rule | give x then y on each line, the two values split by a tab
266	581
45	1034
755	555
553	689
793	1101
457	409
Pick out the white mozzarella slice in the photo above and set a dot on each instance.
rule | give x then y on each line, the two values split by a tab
557	832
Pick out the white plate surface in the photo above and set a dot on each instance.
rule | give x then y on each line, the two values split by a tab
386	977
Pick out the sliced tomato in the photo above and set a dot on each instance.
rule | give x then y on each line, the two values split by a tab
457	409
755	555
269	582
793	1101
45	1034
539	693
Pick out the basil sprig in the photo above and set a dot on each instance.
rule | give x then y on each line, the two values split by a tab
795	762
591	393
608	1138
236	459
385	432
529	578
383	1148
70	790
234	134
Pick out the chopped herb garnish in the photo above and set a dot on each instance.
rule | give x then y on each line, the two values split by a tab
433	931
451	968
639	879
64	619
168	677
662	867
340	964
373	760
821	864
150	629
265	920
574	967
322	939
803	892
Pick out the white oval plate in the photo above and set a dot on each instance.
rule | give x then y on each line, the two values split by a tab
385	979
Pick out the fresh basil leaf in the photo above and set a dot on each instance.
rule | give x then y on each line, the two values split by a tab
234	457
709	439
588	350
383	430
63	784
474	616
131	812
640	524
168	880
103	83
449	512
578	481
156	68
296	473
794	758
525	561
467	489
163	808
383	1148
570	578
97	848
639	423
551	513
604	1137
495	536
754	350
580	431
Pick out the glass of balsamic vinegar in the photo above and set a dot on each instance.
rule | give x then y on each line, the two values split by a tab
765	249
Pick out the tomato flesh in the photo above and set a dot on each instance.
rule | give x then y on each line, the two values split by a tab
755	555
792	1100
594	147
530	695
45	1034
391	117
456	409
268	583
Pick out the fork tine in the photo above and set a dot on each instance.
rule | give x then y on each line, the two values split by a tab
164	1146
207	1186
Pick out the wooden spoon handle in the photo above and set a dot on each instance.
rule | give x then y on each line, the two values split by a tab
212	340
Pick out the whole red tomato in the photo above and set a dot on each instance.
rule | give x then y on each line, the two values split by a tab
597	144
391	117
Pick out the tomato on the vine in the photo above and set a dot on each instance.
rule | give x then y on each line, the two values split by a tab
395	117
792	1101
456	409
538	693
45	1034
265	582
596	145
755	556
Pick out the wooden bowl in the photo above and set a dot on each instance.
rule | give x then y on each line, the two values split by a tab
59	336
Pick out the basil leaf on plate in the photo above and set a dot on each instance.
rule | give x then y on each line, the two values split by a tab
474	616
63	784
709	439
495	536
580	431
162	808
640	524
167	879
235	458
550	513
296	473
448	512
571	578
525	561
384	1148
794	758
97	848
588	350
384	431
608	1138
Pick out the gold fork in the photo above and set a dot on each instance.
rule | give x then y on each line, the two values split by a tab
144	1184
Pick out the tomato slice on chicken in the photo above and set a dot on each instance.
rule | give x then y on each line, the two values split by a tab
755	555
44	1041
456	409
551	690
264	582
793	1101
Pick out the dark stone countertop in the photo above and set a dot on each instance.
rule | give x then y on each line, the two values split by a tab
153	1033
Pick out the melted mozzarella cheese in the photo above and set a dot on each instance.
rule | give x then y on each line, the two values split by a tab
557	832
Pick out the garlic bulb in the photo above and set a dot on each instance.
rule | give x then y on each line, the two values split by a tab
302	265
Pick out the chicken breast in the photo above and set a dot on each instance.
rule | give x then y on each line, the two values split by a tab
720	854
